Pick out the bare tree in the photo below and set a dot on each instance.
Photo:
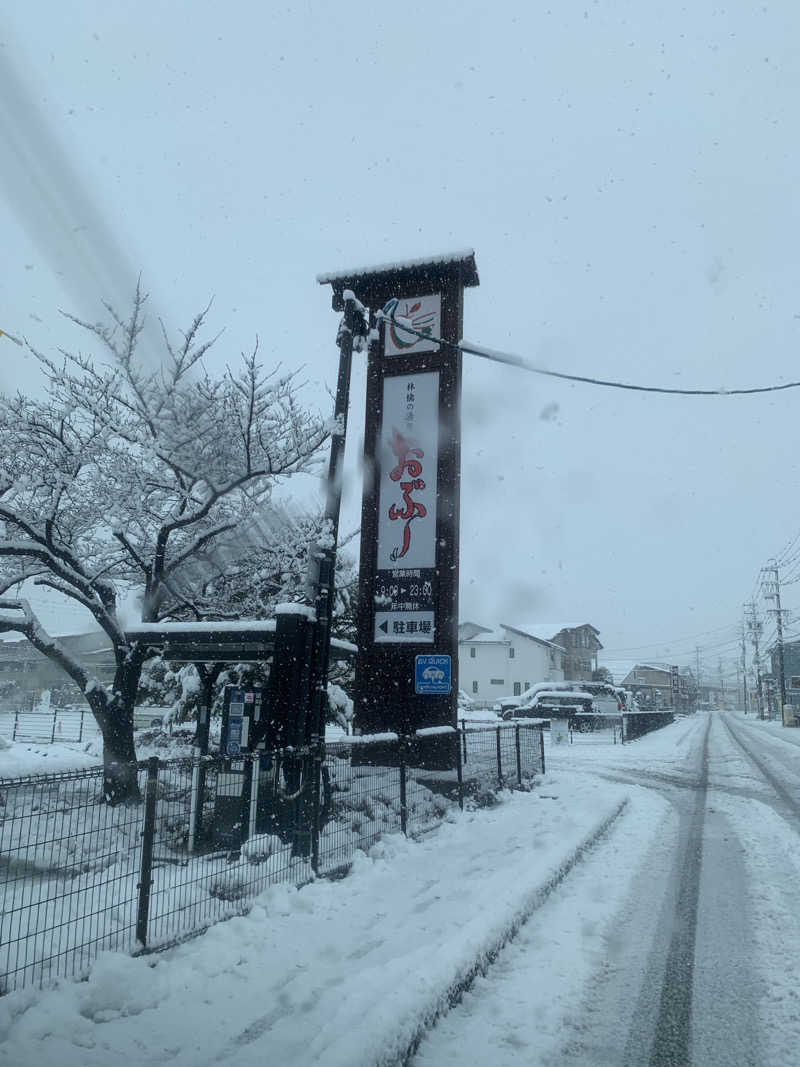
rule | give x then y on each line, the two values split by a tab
126	476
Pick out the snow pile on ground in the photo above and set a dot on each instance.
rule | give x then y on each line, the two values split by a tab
19	758
336	973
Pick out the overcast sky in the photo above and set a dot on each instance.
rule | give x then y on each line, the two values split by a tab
627	174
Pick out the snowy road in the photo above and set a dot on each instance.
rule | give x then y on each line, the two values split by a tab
639	907
694	960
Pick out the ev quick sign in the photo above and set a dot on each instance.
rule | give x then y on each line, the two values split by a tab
432	674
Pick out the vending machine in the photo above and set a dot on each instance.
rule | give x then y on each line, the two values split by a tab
239	775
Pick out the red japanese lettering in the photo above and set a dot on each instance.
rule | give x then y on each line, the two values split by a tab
405	465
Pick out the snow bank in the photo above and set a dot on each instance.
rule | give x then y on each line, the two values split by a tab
339	973
22	758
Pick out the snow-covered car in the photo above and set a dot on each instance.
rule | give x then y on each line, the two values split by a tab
550	705
147	717
606	704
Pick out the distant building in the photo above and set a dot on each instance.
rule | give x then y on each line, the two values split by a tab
24	671
580	643
791	670
505	661
652	685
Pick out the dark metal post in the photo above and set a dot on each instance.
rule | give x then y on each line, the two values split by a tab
352	323
16	724
403	801
80	729
519	754
460	773
318	755
464	738
325	591
53	731
541	746
499	760
148	833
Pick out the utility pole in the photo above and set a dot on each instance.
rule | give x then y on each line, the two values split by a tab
699	698
771	590
754	627
744	673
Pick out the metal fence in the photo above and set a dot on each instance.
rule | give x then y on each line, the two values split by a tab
78	876
56	724
637	724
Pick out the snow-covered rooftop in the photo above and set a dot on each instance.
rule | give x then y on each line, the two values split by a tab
652	667
332	277
546	631
487	637
526	632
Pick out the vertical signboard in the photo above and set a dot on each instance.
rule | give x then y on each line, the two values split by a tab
408	449
676	685
408	577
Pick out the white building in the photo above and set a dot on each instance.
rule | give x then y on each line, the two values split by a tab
504	662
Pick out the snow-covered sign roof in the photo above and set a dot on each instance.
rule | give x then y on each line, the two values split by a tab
463	255
204	627
241	639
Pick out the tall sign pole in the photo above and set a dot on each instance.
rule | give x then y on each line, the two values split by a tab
407	663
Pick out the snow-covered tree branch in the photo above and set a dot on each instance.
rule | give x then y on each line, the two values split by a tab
128	476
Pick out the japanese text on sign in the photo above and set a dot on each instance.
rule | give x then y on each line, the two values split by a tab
408	458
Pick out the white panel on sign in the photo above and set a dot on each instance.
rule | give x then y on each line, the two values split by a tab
424	315
408	453
404	627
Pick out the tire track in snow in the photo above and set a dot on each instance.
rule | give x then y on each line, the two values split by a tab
790	802
481	965
672	1040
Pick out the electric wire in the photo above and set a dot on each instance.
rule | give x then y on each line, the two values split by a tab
674	641
514	360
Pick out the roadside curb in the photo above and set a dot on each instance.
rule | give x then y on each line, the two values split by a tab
462	982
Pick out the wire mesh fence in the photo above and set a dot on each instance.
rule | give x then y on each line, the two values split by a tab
78	875
69	867
56	724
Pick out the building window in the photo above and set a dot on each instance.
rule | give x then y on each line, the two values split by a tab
527	685
517	689
497	681
472	652
474	687
511	653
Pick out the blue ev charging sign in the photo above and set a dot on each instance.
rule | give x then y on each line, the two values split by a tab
432	674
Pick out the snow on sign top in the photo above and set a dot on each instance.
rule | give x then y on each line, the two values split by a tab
408	264
181	628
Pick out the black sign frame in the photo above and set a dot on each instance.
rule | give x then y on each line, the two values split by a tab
385	697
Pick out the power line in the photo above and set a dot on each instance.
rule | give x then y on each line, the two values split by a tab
513	360
674	641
